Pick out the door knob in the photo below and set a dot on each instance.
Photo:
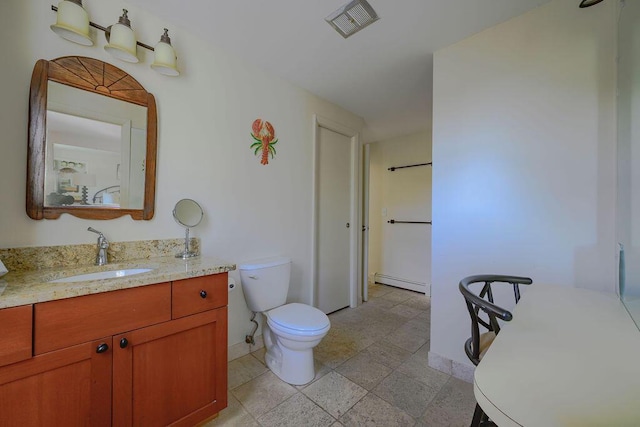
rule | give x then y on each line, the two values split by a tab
203	294
123	343
348	225
102	348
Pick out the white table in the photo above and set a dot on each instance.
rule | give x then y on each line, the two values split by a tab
569	357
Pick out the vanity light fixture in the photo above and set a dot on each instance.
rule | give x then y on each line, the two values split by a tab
72	22
588	3
121	41
164	60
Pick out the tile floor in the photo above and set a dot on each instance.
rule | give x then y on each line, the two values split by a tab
371	370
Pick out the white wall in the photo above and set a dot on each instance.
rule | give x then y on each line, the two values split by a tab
402	251
524	156
629	144
205	118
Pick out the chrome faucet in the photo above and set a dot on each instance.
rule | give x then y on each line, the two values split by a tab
103	244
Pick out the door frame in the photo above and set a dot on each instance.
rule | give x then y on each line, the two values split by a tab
355	236
366	170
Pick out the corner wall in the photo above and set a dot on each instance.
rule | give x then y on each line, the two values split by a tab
204	125
524	152
400	251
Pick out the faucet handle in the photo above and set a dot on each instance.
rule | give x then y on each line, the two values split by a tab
93	230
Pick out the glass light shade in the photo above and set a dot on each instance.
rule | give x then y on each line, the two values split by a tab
72	23
122	41
164	60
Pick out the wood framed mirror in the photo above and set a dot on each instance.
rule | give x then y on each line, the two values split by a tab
92	142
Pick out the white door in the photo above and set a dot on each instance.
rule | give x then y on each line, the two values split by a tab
333	227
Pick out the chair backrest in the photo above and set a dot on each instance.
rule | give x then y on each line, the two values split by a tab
477	344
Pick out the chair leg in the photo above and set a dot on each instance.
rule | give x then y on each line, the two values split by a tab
478	414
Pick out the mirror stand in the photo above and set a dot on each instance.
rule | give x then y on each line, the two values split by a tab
187	213
187	253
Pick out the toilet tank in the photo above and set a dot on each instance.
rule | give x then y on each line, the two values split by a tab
265	282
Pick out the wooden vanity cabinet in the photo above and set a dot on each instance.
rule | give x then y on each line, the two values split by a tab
68	387
15	333
153	368
171	373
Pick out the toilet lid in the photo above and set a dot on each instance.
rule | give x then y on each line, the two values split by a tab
300	317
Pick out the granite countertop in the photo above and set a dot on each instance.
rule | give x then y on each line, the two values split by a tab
29	287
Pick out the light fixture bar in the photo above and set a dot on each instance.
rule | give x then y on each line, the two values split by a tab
106	31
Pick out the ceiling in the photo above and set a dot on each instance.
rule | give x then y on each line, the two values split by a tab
382	73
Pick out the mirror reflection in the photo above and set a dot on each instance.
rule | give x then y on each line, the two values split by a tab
95	150
187	213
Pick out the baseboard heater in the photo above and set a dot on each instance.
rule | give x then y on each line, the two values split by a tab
402	283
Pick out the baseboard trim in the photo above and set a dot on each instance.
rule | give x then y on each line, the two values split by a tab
402	283
462	371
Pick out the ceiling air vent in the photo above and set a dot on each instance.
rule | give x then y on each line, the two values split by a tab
352	17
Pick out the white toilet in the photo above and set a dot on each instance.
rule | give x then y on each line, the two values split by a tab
291	331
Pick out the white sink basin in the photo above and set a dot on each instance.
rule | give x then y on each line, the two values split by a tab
109	274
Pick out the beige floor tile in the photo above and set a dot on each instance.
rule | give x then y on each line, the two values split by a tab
373	411
410	336
388	354
335	349
378	303
423	352
335	393
416	367
391	318
321	370
363	370
424	316
397	296
244	369
263	393
410	395
297	411
421	302
233	415
452	406
405	311
376	290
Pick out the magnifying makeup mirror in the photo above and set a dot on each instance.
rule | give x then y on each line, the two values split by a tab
187	213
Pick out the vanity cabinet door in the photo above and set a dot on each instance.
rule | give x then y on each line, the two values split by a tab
69	387
15	330
173	373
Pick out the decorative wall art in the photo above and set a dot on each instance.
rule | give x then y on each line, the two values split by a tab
263	135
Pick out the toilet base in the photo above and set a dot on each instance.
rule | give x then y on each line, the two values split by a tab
295	367
299	367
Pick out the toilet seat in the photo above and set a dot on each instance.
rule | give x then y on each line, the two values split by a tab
298	319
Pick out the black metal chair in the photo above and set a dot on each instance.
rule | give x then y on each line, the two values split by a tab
477	345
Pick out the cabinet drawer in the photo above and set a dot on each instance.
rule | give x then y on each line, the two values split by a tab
15	334
62	323
199	294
